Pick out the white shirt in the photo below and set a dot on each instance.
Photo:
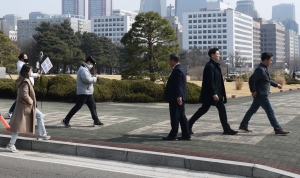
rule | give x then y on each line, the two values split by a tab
31	77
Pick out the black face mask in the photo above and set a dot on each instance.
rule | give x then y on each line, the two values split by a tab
26	60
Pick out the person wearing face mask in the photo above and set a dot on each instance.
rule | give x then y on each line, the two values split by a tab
85	90
42	133
23	59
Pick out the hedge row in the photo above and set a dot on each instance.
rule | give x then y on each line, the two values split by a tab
63	88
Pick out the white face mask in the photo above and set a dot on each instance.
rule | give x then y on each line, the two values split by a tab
90	66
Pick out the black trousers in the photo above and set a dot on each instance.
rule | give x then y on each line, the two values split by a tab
81	100
222	114
177	115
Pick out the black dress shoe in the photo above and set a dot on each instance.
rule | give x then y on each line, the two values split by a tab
230	132
169	138
185	138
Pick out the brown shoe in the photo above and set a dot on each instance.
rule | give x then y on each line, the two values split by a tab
245	129
282	132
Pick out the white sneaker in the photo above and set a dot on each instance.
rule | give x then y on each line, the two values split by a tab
12	148
9	115
43	137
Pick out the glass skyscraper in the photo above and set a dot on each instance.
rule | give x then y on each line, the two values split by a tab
182	6
283	12
247	7
73	7
100	8
159	6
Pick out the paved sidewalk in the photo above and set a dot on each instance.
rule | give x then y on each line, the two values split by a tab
141	126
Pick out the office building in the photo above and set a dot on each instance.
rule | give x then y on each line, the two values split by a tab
220	26
273	40
12	19
4	26
36	15
182	6
247	7
99	8
291	45
26	28
282	12
73	7
115	26
177	27
291	24
159	6
256	44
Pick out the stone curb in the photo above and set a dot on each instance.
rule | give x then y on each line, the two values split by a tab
149	158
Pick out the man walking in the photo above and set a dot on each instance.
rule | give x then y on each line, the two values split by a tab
213	92
176	94
85	90
259	84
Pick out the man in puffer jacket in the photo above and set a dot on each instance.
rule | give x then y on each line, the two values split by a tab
85	90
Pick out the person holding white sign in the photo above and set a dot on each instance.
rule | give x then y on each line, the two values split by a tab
23	59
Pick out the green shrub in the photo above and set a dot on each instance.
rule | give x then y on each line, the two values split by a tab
290	81
102	93
193	93
151	89
62	88
8	88
119	89
229	80
41	88
138	98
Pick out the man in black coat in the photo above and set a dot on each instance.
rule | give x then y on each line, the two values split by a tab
176	94
213	92
259	84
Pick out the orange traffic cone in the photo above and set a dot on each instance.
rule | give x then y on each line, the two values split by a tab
4	122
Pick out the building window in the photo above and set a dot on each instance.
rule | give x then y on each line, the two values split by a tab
199	26
209	20
190	16
214	31
190	21
224	14
214	42
214	36
195	37
199	31
204	42
224	31
214	20
195	21
219	42
204	37
195	15
224	20
219	20
195	42
199	21
219	31
195	26
190	26
224	42
214	26
204	31
224	25
219	25
190	32
209	31
219	14
204	15
224	36
199	37
208	15
195	31
190	42
95	20
199	42
224	47
199	15
214	15
209	42
209	36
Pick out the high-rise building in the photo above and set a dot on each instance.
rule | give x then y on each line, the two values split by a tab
220	26
282	12
159	6
73	7
114	26
12	19
177	27
247	7
4	26
36	15
26	28
273	40
291	24
291	45
256	44
182	6
99	8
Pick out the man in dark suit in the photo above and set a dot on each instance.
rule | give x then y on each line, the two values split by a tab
213	92
259	84
176	94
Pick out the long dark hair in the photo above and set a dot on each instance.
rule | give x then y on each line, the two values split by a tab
25	71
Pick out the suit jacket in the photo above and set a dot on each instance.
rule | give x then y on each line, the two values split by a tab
260	81
213	84
176	86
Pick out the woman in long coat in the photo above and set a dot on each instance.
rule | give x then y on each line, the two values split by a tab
23	120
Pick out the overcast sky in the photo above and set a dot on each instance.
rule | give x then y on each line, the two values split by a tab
24	7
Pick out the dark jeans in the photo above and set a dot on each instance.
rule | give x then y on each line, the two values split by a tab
222	114
177	115
81	100
12	108
266	105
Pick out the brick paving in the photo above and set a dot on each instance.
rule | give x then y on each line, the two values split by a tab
141	126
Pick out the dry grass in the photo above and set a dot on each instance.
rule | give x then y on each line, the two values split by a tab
239	83
279	78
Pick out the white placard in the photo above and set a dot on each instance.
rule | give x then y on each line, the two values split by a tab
47	65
